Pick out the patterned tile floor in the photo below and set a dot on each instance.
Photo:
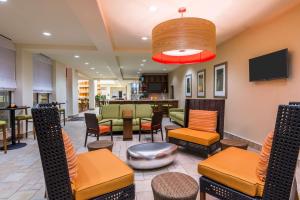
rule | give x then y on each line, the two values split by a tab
21	175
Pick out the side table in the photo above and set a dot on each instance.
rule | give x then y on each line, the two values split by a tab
127	124
101	144
225	143
174	185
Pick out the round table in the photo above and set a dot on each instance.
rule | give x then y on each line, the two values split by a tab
170	127
174	185
101	144
225	143
151	155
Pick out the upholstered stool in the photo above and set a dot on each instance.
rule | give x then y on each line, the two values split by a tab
3	127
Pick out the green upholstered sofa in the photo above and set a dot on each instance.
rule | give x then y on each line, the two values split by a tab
177	115
114	112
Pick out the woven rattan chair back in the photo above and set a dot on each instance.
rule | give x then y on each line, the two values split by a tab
156	120
91	122
294	103
284	153
48	130
45	105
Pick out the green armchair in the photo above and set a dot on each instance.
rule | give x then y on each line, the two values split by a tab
177	115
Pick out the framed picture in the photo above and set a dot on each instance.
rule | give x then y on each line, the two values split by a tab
201	83
220	80
188	85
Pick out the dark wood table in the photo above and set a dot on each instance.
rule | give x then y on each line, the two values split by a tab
127	124
174	185
12	114
225	143
101	144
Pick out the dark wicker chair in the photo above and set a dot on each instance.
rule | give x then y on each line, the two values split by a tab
92	126
54	162
294	103
203	104
156	125
282	163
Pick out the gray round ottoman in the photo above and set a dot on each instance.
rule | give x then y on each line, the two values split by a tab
151	155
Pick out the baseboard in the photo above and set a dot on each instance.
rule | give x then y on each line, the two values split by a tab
254	145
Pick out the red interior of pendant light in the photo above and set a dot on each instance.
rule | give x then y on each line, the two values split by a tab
204	56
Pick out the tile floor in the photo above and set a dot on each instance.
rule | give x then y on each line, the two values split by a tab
21	176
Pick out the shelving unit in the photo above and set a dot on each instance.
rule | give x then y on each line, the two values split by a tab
83	87
98	88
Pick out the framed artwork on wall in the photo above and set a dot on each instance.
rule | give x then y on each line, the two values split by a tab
220	80
201	83
188	85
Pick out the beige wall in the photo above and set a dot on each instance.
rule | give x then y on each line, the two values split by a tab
251	106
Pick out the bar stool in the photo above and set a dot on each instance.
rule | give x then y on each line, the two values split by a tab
167	106
25	118
62	112
3	125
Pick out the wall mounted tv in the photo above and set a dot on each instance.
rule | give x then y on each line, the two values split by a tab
270	66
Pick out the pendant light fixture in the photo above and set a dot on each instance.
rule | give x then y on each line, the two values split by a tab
185	40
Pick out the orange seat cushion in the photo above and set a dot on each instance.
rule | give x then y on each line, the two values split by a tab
264	157
71	156
198	137
234	168
203	120
100	172
146	126
104	129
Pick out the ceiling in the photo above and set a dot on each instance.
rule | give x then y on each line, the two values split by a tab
107	34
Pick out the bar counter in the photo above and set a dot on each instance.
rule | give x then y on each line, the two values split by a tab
160	103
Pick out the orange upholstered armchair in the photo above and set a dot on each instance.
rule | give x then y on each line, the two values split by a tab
245	175
92	175
204	124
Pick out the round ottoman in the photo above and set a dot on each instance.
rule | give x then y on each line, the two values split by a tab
174	185
151	155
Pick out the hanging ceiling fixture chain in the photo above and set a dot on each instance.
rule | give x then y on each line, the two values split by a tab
182	10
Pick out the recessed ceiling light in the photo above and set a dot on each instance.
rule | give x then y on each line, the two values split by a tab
3	1
142	64
153	8
138	72
86	63
97	72
164	69
44	33
92	68
122	67
144	60
144	38
76	56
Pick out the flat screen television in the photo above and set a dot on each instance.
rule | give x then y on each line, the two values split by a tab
154	87
269	66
